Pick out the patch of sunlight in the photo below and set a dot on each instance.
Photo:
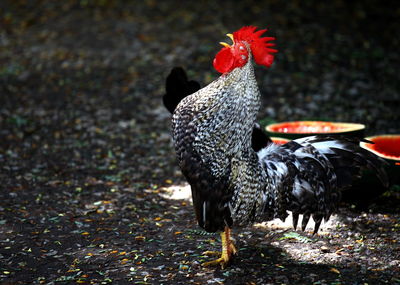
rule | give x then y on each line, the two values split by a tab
177	192
277	224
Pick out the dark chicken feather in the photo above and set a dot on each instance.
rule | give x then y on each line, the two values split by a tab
178	86
309	174
259	139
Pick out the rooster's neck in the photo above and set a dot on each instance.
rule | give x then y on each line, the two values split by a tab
220	118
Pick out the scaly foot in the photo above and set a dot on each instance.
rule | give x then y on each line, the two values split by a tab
223	262
228	249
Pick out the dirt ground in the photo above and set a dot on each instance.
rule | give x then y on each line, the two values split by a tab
90	189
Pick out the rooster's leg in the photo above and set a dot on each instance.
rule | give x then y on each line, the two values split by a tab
228	249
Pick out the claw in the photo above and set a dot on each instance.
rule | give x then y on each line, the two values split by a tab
211	253
223	262
228	250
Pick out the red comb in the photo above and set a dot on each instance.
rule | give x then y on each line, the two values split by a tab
260	46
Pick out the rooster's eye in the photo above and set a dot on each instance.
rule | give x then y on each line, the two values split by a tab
243	57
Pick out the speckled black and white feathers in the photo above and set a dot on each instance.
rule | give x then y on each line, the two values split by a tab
232	185
178	86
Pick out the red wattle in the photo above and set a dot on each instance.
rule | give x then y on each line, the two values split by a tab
224	60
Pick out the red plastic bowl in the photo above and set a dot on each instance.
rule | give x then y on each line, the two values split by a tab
385	146
298	129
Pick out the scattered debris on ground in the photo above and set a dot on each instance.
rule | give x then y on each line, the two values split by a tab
90	188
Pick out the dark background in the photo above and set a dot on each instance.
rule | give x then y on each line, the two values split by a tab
85	146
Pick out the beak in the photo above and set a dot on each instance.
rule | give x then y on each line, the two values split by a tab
225	44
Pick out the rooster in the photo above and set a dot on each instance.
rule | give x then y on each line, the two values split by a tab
177	87
231	183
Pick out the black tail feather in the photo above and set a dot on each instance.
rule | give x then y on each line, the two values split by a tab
304	222
295	219
177	87
317	219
